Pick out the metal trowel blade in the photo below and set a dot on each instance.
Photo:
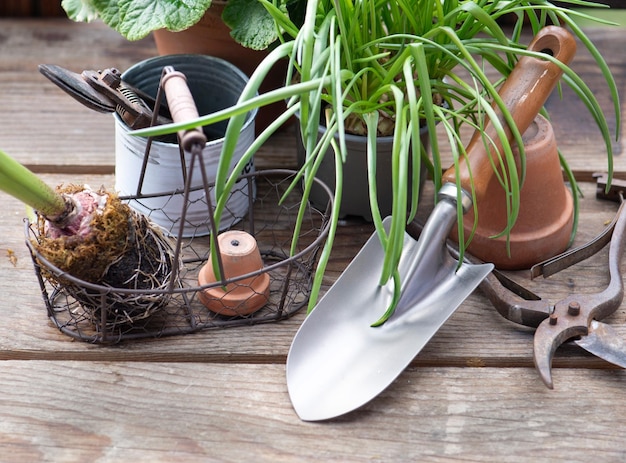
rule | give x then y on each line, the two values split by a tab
338	361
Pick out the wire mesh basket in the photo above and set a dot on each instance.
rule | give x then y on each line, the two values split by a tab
102	314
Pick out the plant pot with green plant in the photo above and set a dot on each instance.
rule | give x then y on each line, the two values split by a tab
238	31
409	65
247	22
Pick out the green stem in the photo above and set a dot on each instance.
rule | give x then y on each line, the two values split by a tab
22	184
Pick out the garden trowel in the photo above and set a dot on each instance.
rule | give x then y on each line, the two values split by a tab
338	361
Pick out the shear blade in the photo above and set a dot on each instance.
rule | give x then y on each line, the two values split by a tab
75	85
603	341
598	338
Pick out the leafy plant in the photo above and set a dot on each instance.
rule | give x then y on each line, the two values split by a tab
251	24
22	184
354	63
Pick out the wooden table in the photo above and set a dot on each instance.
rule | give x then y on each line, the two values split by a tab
220	395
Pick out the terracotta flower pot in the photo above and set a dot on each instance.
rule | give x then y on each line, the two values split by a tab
210	36
546	215
240	256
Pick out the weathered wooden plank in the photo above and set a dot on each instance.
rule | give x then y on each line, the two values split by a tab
84	411
475	335
40	123
43	126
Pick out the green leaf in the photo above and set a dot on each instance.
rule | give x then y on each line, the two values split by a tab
135	19
251	24
361	58
80	10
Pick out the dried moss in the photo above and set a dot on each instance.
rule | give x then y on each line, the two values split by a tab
123	250
90	257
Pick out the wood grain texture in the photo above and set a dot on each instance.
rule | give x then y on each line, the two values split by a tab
147	412
475	334
220	395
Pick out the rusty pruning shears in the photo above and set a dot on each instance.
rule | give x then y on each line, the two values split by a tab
576	317
106	92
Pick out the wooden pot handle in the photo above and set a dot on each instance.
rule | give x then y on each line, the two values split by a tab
524	93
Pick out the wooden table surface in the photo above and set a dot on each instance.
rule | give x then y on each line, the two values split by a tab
220	395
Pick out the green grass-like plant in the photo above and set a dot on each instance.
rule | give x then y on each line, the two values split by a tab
397	66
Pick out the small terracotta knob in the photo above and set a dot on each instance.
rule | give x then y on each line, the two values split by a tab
240	256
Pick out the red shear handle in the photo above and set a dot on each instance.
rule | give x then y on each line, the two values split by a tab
182	107
524	94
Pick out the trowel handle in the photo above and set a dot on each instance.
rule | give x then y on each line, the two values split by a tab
182	107
524	93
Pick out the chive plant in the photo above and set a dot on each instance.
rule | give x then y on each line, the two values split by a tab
393	67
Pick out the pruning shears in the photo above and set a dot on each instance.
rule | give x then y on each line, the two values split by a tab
578	316
105	91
